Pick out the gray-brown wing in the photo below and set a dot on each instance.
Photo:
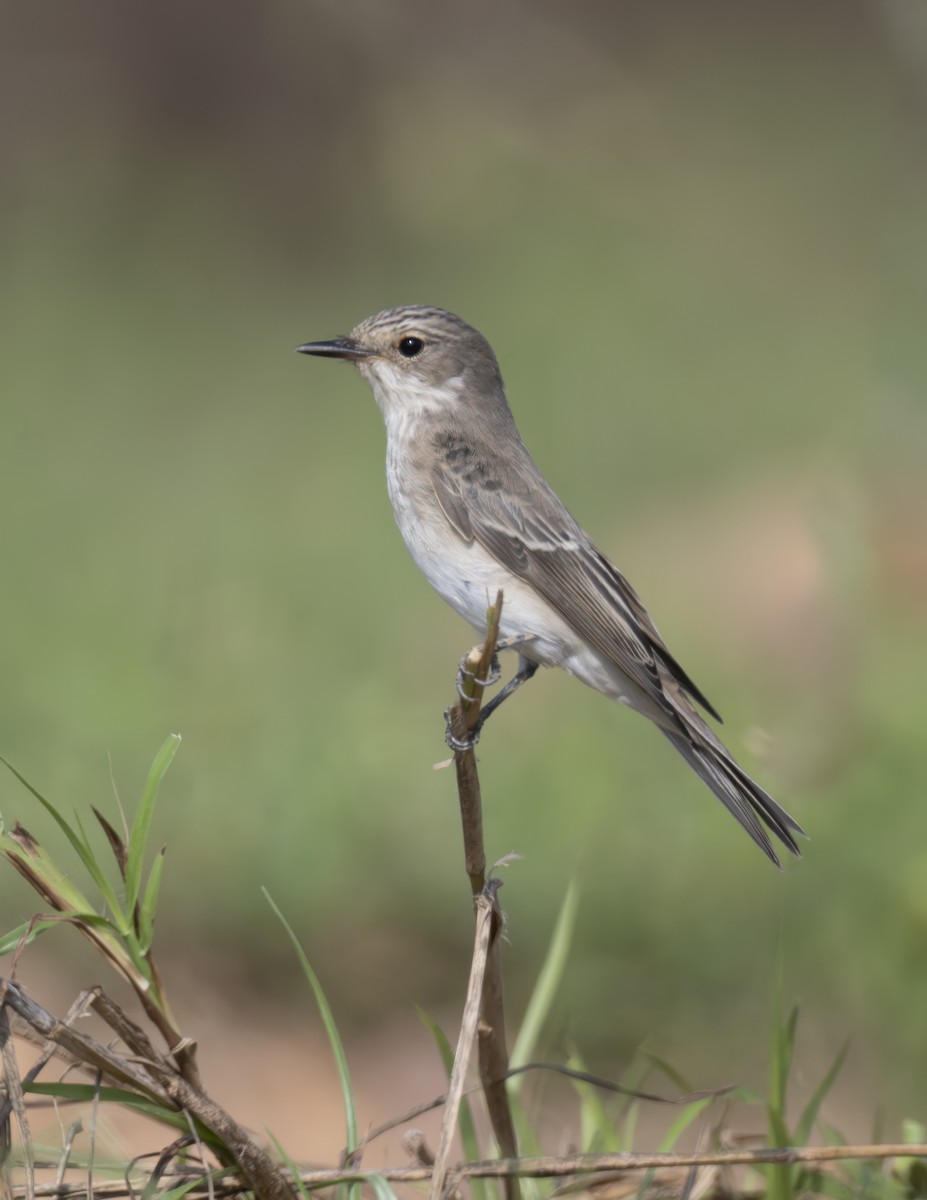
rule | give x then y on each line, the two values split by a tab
536	539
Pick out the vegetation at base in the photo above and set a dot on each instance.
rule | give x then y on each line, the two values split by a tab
697	244
119	919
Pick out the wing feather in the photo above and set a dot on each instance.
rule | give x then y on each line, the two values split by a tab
536	539
530	533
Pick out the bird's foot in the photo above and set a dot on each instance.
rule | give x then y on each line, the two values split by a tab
465	743
464	673
465	676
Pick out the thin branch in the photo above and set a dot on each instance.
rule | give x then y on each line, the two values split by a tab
539	1167
485	904
608	1085
476	667
493	1055
13	1088
156	1079
79	1049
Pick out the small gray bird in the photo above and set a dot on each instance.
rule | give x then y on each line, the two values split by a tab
478	515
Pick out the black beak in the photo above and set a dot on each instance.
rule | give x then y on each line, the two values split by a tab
343	347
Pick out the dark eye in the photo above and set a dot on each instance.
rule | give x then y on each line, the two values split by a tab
410	346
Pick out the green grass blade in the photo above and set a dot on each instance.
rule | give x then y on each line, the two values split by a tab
146	915
629	1108
780	1068
46	804
331	1029
598	1133
78	842
820	1185
683	1121
813	1107
382	1187
176	1193
42	873
913	1133
675	1076
143	817
109	941
98	875
289	1164
548	983
780	1177
25	933
87	1092
685	1118
479	1188
467	1126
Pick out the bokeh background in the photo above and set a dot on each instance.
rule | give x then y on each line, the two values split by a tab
696	235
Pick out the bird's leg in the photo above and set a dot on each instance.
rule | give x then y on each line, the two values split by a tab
526	669
464	673
495	670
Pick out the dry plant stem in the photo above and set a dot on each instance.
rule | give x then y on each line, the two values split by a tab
464	716
183	1050
485	917
158	1011
13	1089
79	1049
493	1055
153	1076
537	1168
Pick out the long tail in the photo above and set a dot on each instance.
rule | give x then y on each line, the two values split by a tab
743	798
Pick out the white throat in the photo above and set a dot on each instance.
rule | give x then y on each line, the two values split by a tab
403	398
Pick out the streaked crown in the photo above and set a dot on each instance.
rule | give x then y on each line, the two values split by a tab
419	357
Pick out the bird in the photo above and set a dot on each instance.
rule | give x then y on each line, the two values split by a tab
478	516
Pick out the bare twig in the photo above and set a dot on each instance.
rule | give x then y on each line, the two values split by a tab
13	1088
73	1130
540	1167
485	916
79	1049
156	1078
26	855
493	1055
463	718
597	1081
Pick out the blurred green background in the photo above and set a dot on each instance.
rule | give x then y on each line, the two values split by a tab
695	234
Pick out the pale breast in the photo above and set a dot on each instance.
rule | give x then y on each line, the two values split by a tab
468	578
462	573
465	574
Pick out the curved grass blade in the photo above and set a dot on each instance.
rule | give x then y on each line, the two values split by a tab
87	1092
25	933
382	1187
143	817
331	1029
682	1123
548	983
199	1182
146	914
597	1128
466	1124
289	1164
78	841
812	1108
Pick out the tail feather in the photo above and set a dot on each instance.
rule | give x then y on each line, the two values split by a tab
739	794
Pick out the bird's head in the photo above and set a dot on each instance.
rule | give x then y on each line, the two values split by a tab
419	359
